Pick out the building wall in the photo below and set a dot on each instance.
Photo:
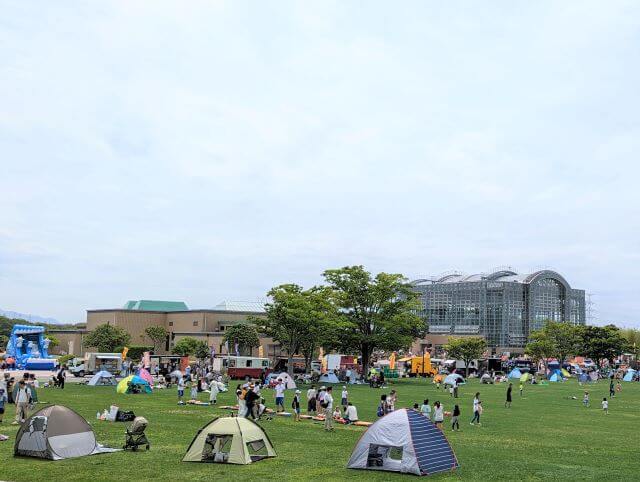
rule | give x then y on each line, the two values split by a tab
65	337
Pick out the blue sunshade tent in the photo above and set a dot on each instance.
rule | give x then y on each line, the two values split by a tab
628	377
515	373
404	441
555	378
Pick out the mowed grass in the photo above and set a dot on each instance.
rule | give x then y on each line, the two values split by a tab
546	435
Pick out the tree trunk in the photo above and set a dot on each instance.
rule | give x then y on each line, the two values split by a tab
466	368
366	355
289	364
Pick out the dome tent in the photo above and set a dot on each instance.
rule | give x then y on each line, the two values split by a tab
230	440
454	377
102	378
328	378
124	385
629	376
287	381
56	433
515	373
403	441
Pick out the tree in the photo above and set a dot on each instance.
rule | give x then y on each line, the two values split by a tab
565	338
320	331
244	334
201	351
105	338
3	341
53	341
540	348
633	341
157	334
373	312
287	316
602	343
466	349
186	346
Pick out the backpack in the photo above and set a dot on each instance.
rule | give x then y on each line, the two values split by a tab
380	411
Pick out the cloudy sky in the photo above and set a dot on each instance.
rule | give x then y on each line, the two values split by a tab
205	151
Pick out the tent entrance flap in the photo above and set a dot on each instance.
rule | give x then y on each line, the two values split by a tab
257	450
384	457
217	448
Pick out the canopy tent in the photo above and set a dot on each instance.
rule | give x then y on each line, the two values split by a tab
515	373
403	441
126	385
525	377
630	375
453	377
102	378
230	440
56	433
565	373
594	376
583	378
146	376
287	380
328	378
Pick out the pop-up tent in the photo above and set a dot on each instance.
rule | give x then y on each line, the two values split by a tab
287	380
102	378
146	376
629	376
403	441
329	378
525	377
230	440
454	377
56	432
515	373
133	384
556	376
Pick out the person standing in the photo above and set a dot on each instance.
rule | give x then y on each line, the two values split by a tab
180	389
438	415
455	424
585	399
280	388
344	397
62	376
521	387
391	400
612	390
23	398
296	406
425	409
455	388
311	400
476	409
605	406
327	404
250	398
213	392
507	403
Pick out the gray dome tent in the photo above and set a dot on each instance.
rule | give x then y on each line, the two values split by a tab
56	433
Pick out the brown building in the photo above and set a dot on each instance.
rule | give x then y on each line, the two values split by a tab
179	321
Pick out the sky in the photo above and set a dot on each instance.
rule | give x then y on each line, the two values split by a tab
207	151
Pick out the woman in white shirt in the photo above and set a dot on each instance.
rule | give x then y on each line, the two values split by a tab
351	414
438	415
476	409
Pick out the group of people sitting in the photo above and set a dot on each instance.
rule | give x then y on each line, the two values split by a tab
23	394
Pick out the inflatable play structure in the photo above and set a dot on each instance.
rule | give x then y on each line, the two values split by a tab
29	347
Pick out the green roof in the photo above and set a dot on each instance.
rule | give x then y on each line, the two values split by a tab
155	305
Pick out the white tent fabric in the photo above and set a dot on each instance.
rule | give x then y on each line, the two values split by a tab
403	441
329	378
102	378
287	380
449	380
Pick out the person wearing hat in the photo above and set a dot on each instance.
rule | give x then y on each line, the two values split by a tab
296	406
250	399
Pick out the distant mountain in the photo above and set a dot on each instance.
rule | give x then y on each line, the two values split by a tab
30	318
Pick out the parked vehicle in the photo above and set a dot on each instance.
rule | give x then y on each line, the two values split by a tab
245	367
94	362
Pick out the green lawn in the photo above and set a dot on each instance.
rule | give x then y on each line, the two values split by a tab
545	435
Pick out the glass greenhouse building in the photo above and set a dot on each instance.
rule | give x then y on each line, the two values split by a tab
503	306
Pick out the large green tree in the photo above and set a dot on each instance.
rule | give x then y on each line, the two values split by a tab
602	343
157	334
105	338
373	312
244	334
565	338
188	346
466	349
540	348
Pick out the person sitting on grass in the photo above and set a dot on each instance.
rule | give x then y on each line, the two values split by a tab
351	415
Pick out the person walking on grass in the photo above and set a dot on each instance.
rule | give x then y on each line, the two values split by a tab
280	388
476	409
521	387
23	399
296	406
213	392
585	399
455	424
344	397
327	405
507	403
438	415
605	406
425	409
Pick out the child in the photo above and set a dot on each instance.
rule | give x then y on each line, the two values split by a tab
455	425
618	386
416	407
521	387
180	389
336	414
213	392
425	409
585	399
605	406
296	406
345	397
194	391
438	415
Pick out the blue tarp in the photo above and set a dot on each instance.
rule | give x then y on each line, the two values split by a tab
515	373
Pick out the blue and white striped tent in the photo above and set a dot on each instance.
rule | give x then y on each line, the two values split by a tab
404	441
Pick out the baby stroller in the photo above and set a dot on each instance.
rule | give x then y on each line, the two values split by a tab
135	434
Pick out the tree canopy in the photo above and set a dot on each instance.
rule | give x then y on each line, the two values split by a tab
188	346
105	338
602	343
157	334
466	349
244	334
373	312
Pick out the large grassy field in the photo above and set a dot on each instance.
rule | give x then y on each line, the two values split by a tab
546	435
